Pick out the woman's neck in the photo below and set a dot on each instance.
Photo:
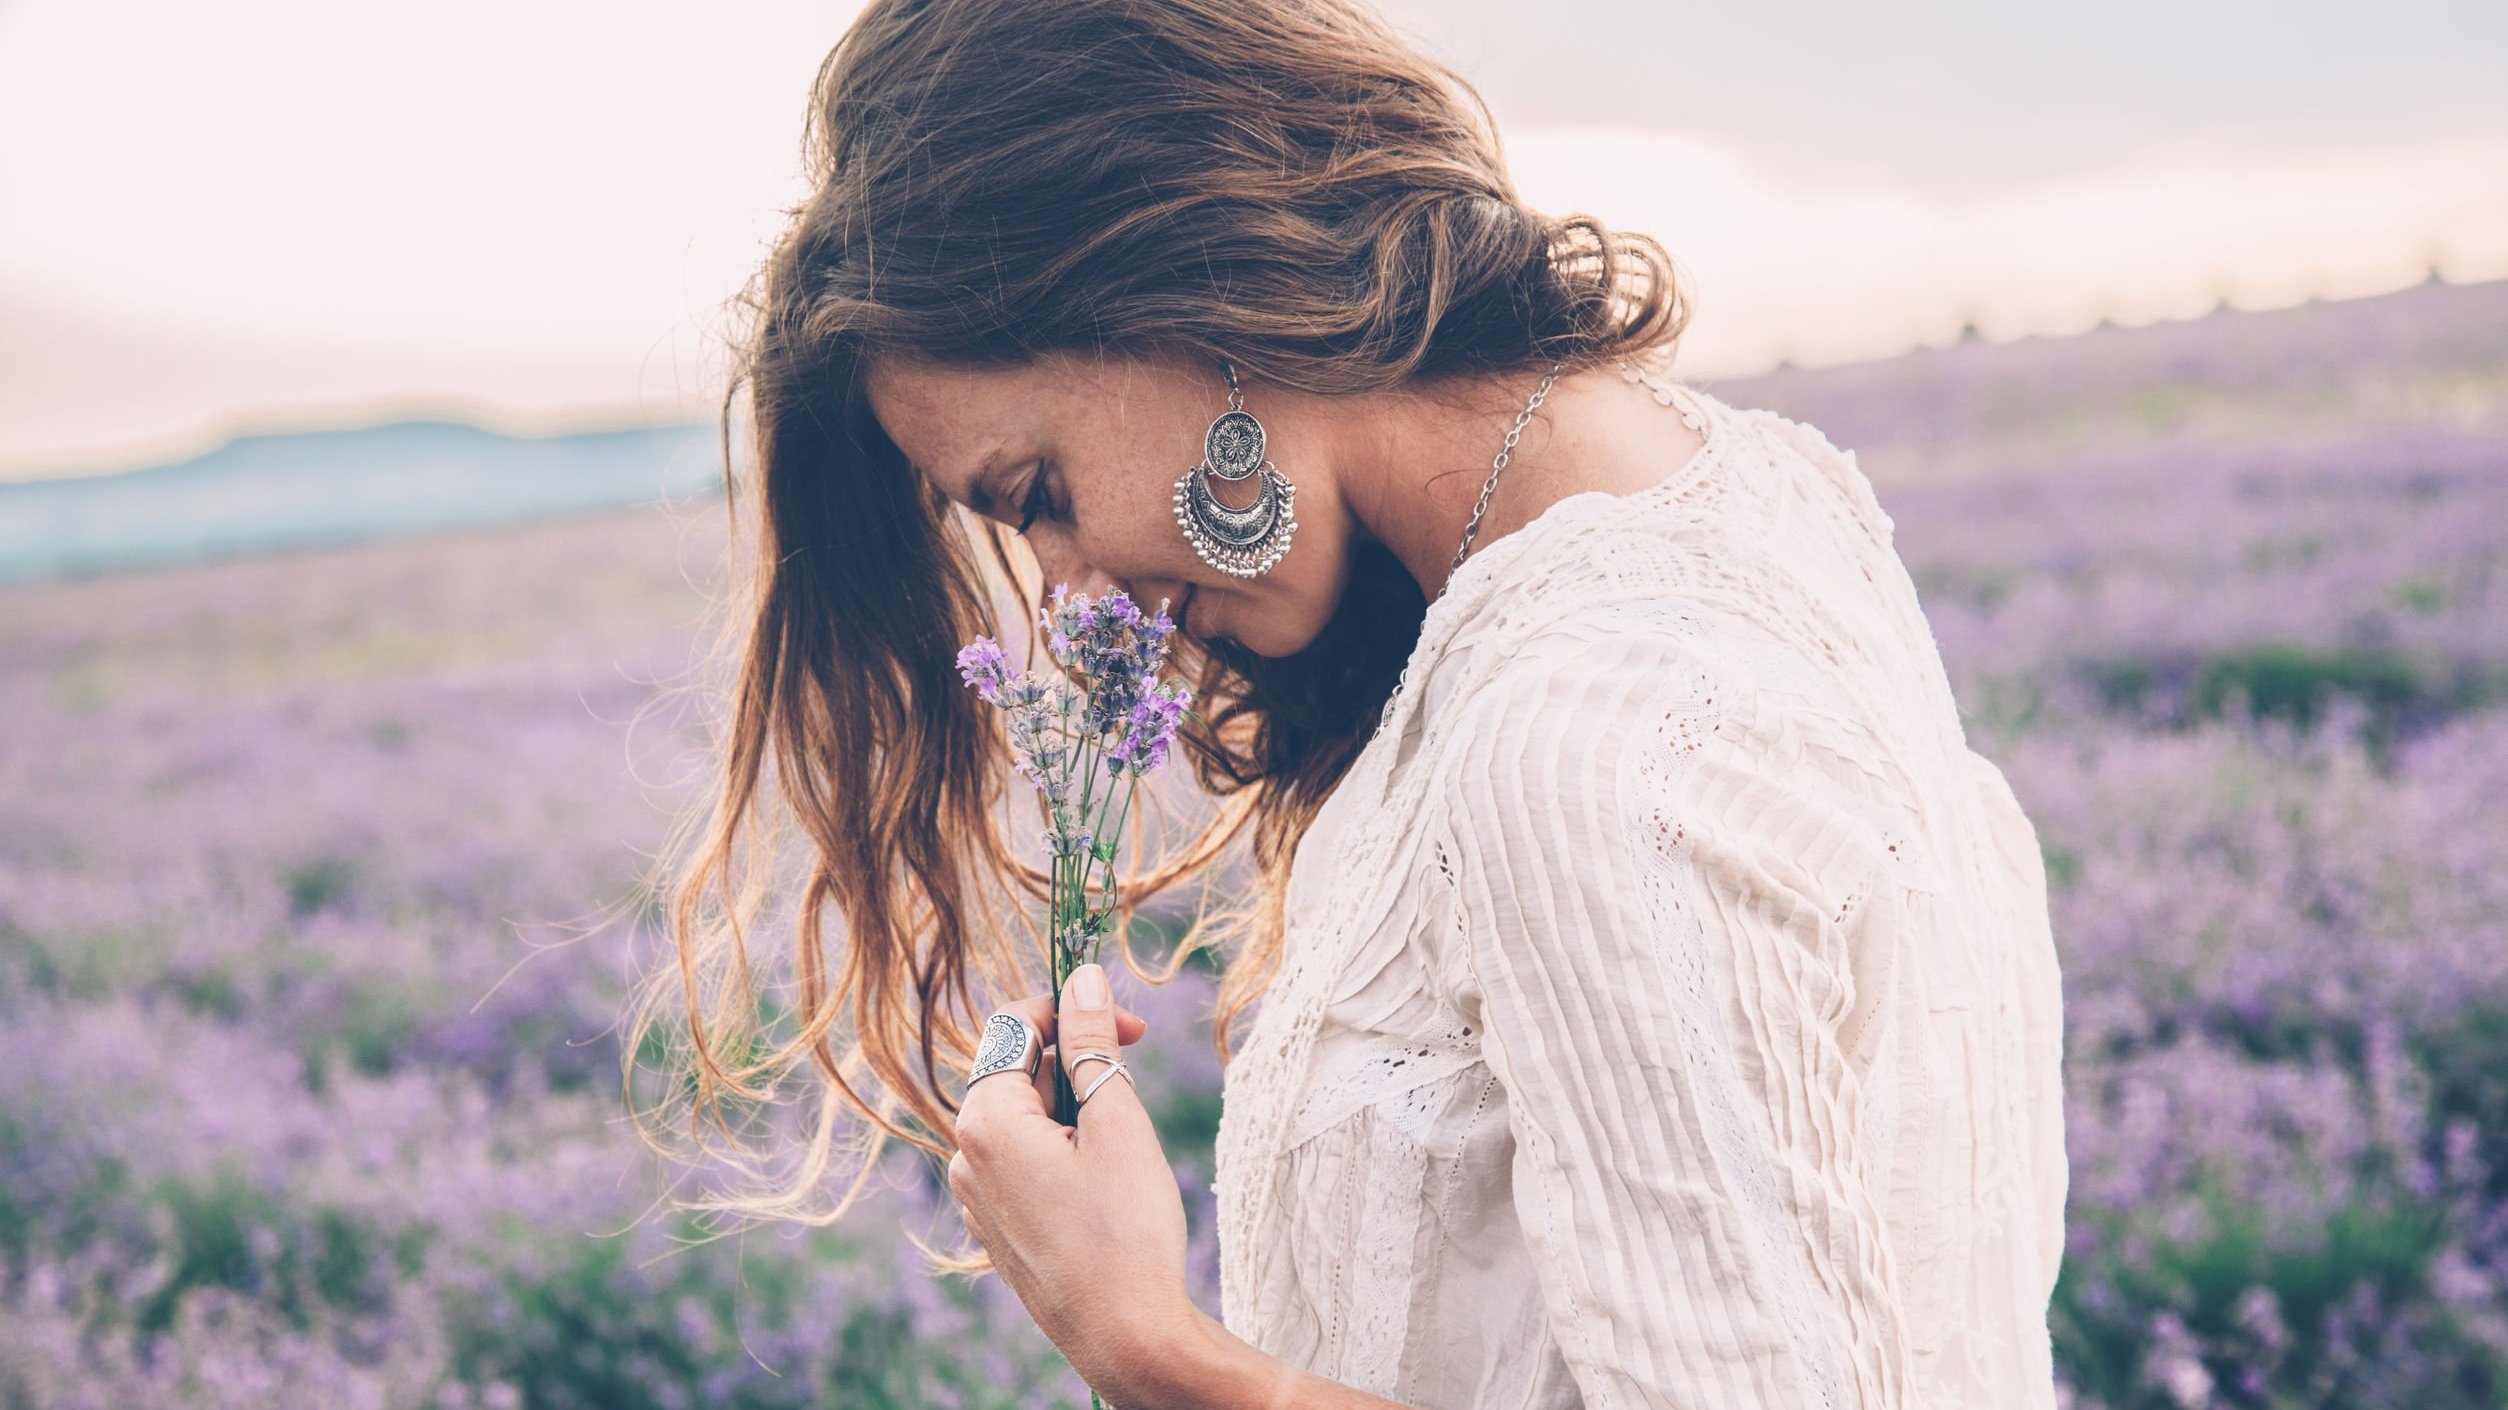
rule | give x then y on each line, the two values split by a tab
1410	464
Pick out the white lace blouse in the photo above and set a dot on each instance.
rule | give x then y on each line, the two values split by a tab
1669	1014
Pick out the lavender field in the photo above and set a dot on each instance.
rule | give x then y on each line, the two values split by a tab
320	883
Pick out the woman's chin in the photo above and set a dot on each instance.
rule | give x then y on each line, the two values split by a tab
1270	645
1211	619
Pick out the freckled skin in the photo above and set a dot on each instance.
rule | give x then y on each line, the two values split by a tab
1116	435
1400	467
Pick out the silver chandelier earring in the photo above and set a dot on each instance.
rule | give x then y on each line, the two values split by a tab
1242	542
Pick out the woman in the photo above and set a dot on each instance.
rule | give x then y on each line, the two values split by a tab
1658	1005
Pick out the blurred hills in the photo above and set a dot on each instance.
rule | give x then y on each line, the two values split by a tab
265	493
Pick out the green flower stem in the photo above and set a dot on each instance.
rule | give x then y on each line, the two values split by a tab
1067	897
1122	816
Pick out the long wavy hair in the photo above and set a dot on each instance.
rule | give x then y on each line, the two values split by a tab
1280	183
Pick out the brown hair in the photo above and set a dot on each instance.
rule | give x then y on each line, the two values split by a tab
1280	183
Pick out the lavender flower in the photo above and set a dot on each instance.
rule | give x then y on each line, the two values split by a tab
1118	714
1107	716
983	666
1150	726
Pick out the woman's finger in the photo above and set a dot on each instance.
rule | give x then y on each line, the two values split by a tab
1087	1023
1003	1097
1037	1100
1038	1009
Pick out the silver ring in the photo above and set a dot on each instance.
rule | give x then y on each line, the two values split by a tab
1009	1044
1114	1066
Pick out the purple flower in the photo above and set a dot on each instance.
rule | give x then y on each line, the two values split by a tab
983	666
1105	642
1150	727
1064	622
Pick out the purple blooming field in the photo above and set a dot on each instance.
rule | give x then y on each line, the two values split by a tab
321	878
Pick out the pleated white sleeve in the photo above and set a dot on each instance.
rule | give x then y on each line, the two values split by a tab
1652	902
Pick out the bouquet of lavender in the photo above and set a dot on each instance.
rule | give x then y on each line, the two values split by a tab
1084	737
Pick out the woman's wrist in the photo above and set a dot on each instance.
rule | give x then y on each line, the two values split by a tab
1201	1365
1194	1362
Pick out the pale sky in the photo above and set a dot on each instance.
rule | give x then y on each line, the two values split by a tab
291	212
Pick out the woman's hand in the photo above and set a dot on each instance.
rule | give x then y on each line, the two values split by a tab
1084	1223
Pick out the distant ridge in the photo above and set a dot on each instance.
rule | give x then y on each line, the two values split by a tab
2431	353
264	493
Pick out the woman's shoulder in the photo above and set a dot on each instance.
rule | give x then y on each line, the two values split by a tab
1587	694
1765	544
1714	518
1645	682
1705	585
1652	727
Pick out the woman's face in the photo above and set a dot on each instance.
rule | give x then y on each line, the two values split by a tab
1081	455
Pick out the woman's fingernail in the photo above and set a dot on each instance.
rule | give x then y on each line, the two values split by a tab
1088	987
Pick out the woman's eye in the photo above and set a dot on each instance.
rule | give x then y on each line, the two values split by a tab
1034	504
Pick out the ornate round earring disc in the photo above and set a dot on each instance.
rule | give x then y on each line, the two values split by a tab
1234	446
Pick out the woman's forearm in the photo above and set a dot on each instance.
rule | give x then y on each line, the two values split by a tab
1210	1368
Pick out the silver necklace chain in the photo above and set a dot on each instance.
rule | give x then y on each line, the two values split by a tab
1498	467
1480	507
1629	370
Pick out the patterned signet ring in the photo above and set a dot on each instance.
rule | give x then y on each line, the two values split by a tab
1115	1067
1009	1044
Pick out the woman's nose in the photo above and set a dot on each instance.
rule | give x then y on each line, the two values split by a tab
1062	567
